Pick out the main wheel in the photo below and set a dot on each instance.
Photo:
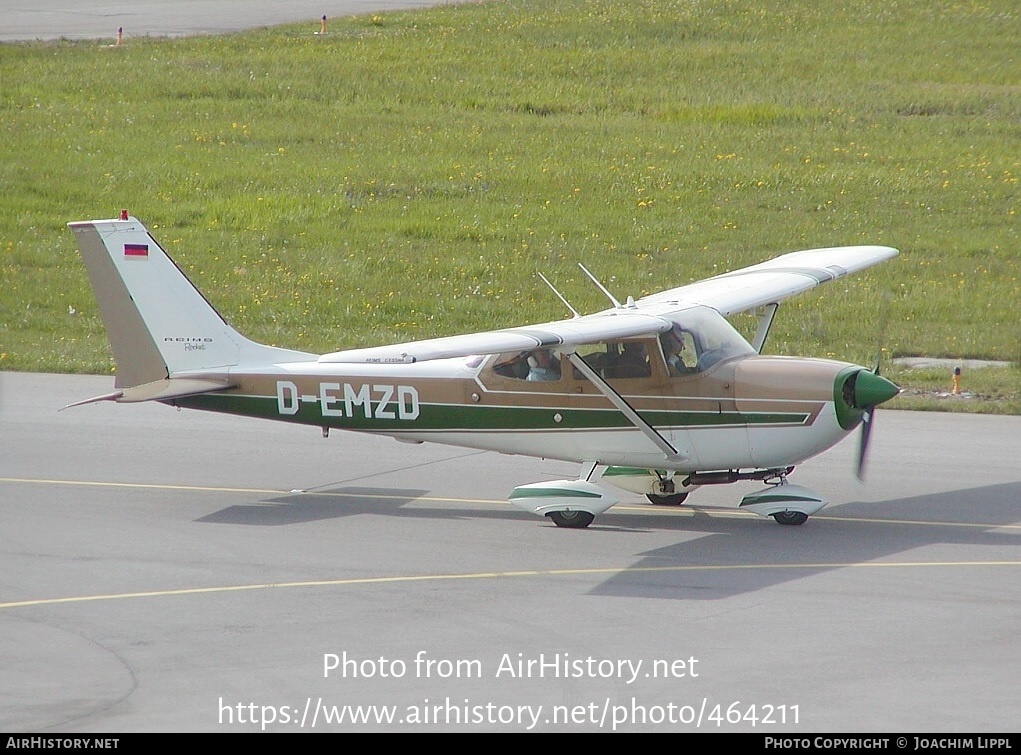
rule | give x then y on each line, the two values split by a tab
673	499
575	520
790	517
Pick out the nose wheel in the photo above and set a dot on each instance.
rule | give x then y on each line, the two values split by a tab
670	499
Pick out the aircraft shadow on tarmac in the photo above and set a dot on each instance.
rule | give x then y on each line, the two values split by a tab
337	503
313	506
854	533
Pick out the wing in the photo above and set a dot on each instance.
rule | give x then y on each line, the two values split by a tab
766	283
773	281
602	326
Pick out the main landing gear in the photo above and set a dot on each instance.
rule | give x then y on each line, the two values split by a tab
568	503
790	505
574	504
790	517
574	520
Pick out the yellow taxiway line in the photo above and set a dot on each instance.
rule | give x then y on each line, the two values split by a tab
642	509
499	575
685	510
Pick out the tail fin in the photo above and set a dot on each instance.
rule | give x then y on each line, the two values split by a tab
157	322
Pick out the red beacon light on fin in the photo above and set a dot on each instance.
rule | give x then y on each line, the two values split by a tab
124	214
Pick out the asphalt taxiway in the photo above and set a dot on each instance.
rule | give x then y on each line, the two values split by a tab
100	19
178	571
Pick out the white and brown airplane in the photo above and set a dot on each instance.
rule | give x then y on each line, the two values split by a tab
661	395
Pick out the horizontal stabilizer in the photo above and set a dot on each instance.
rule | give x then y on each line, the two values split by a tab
160	390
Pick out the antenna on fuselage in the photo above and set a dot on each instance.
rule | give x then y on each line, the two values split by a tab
559	295
602	288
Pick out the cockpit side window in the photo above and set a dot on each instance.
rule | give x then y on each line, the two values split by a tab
616	359
538	365
632	361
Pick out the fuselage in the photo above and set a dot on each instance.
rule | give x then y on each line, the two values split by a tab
746	411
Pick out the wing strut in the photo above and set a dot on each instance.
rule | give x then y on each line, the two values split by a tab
625	408
765	315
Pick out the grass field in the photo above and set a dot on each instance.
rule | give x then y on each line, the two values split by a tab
408	173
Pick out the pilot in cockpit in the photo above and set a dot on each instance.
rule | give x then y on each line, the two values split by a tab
679	351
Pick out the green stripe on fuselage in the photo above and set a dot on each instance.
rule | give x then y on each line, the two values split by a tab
437	417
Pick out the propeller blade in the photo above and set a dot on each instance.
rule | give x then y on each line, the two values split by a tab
863	443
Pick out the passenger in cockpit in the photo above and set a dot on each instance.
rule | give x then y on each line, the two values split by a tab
542	366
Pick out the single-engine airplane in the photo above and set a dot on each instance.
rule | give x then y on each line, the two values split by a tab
660	395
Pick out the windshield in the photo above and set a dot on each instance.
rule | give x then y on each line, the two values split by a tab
700	339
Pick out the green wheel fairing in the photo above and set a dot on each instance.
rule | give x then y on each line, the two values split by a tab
784	498
550	493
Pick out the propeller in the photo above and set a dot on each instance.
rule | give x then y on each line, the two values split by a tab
863	443
869	391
